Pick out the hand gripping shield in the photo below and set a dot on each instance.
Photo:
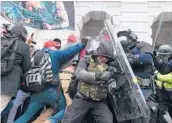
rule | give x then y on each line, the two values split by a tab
127	100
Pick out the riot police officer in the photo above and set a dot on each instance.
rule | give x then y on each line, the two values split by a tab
163	64
140	57
163	61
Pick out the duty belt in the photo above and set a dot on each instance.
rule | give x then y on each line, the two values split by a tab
144	83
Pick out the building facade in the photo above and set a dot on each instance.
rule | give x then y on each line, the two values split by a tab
137	16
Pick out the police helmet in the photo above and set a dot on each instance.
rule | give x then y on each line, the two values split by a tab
132	35
165	49
129	34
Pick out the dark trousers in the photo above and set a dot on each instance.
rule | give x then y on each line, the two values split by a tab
76	112
164	101
170	111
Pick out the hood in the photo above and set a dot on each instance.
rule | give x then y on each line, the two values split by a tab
19	31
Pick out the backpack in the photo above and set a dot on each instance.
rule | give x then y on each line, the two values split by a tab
40	75
72	89
9	47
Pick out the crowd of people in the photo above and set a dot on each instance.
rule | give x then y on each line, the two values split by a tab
35	82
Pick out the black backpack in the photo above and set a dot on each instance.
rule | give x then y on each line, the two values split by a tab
72	89
9	47
40	75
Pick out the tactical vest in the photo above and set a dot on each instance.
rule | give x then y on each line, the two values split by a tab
141	71
95	92
164	84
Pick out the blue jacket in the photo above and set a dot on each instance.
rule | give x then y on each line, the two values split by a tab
144	62
59	57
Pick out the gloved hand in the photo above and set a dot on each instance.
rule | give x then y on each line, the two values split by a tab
98	74
106	76
85	40
158	60
113	63
133	59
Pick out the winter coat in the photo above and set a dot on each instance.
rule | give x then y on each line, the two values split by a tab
10	82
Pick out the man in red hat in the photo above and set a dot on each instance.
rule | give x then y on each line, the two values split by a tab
51	94
65	75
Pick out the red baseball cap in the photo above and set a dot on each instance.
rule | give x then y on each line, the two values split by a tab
51	43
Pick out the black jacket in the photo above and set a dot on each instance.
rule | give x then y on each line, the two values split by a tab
10	82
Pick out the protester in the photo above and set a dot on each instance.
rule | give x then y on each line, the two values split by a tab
23	93
10	81
49	96
58	41
46	116
92	92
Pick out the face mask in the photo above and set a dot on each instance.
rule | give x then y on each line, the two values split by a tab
164	56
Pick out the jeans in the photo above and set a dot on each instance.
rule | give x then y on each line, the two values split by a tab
20	98
61	106
48	97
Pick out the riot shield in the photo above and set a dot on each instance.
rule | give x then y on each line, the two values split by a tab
162	29
92	45
127	100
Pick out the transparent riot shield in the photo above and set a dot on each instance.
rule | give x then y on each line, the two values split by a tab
92	45
127	100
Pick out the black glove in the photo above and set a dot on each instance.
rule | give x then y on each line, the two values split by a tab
106	76
133	59
84	40
113	63
98	74
158	61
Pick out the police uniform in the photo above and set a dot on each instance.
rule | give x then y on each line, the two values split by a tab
164	87
140	57
164	84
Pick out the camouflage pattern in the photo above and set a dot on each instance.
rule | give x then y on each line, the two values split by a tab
93	91
96	92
